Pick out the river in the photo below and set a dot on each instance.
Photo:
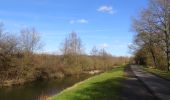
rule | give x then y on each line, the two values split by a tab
32	91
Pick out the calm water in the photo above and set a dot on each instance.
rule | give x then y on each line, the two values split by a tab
33	90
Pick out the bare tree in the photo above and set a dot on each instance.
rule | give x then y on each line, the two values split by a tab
72	45
30	40
154	22
160	12
94	51
8	47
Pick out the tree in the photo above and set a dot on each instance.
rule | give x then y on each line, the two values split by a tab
94	51
160	10
30	40
154	23
8	47
72	45
72	51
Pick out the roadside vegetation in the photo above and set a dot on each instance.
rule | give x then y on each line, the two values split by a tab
160	73
151	45
21	61
106	86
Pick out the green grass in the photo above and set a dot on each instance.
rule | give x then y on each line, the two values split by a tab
106	86
159	73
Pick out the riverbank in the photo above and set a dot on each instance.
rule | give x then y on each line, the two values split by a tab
38	90
17	82
104	86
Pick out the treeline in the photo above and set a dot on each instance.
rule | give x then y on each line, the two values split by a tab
17	55
20	61
151	44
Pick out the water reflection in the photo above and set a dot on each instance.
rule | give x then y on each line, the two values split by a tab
32	91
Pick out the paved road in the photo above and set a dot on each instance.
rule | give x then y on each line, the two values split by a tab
134	89
159	87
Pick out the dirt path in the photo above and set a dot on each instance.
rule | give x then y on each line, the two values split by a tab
133	89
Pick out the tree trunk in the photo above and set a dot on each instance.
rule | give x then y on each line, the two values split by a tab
167	32
153	57
167	41
168	58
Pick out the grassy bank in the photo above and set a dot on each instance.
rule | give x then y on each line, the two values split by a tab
163	74
106	86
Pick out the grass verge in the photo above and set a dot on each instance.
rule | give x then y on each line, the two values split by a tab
106	86
162	74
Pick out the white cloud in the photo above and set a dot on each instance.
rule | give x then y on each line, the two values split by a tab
83	21
106	9
80	21
72	21
104	46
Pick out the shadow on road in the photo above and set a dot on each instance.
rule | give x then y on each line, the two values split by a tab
133	89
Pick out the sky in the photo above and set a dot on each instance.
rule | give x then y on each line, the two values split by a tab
101	23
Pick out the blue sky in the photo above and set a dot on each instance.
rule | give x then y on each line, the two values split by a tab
101	23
